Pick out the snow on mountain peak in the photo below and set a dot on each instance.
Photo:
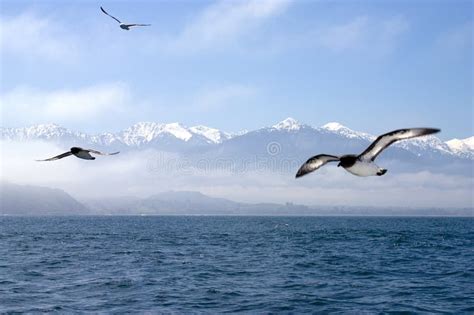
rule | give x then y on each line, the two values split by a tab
334	126
144	133
142	129
211	134
42	131
426	142
178	131
461	145
239	133
147	131
287	124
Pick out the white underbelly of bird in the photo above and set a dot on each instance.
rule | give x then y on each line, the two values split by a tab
363	168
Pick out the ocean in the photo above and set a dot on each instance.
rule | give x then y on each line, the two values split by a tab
236	264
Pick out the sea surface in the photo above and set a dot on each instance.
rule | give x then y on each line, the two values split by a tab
236	264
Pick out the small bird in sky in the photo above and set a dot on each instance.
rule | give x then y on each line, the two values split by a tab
123	26
80	153
363	164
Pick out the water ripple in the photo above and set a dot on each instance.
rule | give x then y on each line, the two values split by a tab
236	264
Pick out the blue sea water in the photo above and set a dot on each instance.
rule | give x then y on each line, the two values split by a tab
236	264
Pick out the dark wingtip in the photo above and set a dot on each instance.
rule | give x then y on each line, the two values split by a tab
300	173
430	131
433	130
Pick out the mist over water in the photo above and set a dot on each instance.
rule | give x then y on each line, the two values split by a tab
232	264
260	178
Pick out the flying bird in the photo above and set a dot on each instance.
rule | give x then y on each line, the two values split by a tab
123	25
78	152
363	164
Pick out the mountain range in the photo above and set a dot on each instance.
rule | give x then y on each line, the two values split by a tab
287	142
152	134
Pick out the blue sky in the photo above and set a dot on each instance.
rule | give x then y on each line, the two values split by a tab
370	65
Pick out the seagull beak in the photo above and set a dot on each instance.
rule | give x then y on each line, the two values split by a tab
339	164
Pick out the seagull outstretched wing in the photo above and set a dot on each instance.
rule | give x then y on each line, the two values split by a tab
110	15
56	157
314	163
387	139
102	153
130	25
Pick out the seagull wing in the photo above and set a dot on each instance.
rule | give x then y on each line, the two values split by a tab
102	153
387	139
314	163
130	25
56	157
110	15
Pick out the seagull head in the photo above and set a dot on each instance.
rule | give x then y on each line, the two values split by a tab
75	150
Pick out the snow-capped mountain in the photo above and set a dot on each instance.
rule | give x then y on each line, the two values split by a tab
211	134
137	135
288	124
41	132
299	139
146	132
431	143
462	146
337	128
427	143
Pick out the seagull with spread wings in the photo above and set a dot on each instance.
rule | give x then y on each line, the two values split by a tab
363	164
80	153
123	26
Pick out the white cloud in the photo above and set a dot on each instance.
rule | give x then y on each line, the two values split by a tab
225	22
31	36
363	33
25	105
